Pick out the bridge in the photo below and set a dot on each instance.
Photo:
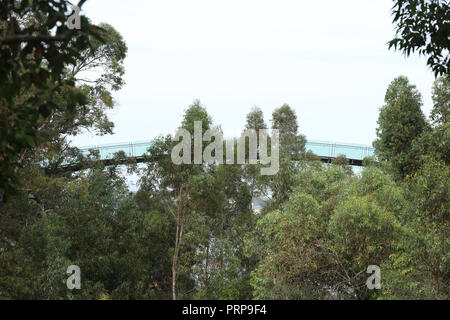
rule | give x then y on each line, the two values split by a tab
327	151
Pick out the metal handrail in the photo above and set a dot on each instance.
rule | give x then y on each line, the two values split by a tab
321	148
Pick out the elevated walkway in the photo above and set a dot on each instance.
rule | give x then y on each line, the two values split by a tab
327	151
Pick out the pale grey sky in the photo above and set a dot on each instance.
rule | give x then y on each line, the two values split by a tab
326	59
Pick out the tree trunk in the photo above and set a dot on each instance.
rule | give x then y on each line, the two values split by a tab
436	281
178	237
206	266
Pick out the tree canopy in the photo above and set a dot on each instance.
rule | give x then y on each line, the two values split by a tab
424	26
209	230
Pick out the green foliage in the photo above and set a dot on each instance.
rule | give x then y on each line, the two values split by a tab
189	232
362	232
400	122
43	97
209	210
285	120
196	112
286	242
255	119
423	26
292	147
441	101
342	161
33	80
420	269
436	141
93	224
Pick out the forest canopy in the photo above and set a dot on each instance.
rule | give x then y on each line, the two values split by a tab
191	231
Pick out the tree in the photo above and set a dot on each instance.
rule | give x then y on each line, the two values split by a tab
363	233
222	270
40	164
435	143
424	26
285	120
33	81
174	185
429	222
440	114
342	161
106	58
331	249
46	97
255	121
292	146
196	112
90	222
400	122
419	269
287	244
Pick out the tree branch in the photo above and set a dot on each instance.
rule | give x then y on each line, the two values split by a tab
40	37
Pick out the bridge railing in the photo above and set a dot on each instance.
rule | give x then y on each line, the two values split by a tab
331	149
320	148
107	151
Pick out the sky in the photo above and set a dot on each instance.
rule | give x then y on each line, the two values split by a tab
327	59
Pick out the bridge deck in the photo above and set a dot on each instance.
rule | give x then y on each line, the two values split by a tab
325	150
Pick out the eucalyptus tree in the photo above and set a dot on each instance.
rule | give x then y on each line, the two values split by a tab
284	119
255	121
40	164
173	185
400	122
435	142
423	26
292	146
36	46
